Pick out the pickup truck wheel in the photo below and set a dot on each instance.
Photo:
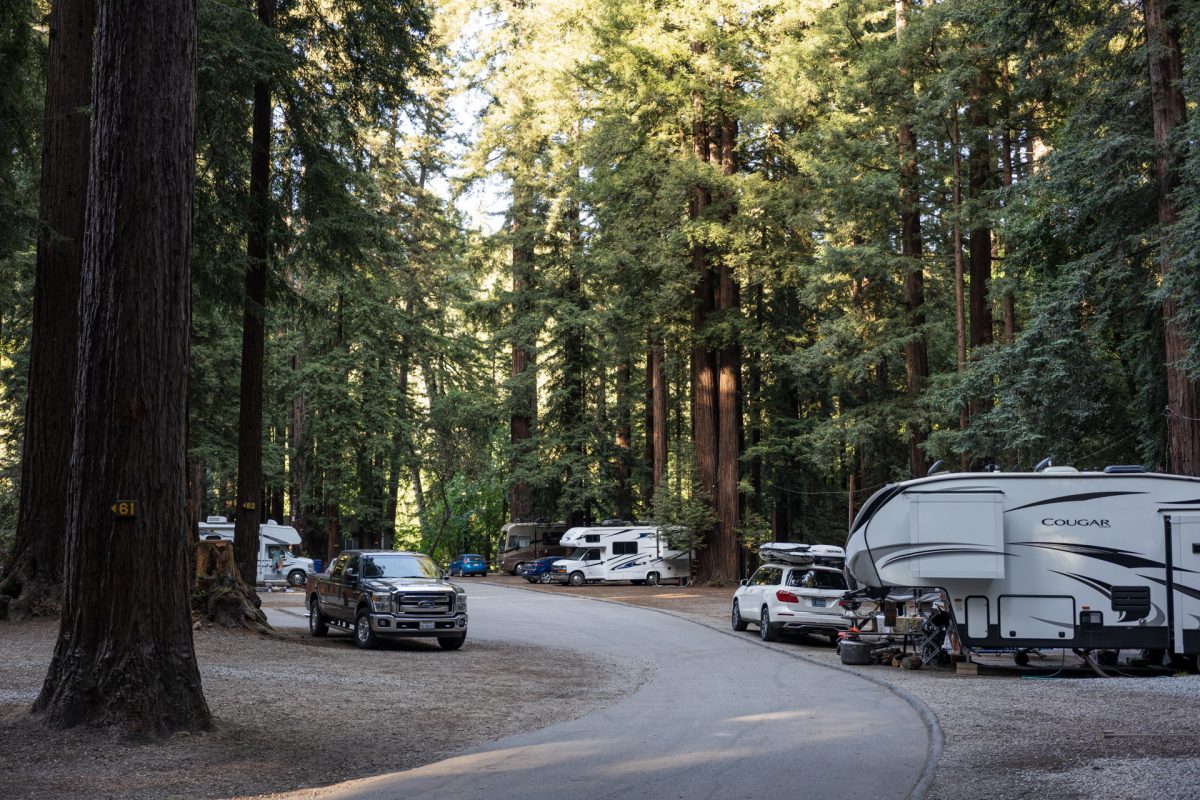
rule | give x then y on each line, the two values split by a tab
364	637
652	579
575	579
451	642
297	577
317	624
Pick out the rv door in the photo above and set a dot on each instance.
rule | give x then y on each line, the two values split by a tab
1184	582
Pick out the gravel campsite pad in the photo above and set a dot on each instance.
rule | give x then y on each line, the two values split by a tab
294	713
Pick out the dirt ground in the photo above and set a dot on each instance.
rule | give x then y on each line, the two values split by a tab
292	713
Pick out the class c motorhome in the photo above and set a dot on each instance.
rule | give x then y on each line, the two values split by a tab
273	542
622	552
1058	558
525	541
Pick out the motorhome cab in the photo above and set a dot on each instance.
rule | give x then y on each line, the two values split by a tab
273	542
1059	558
635	553
521	542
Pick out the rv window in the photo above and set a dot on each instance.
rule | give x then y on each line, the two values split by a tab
517	542
624	548
592	538
593	555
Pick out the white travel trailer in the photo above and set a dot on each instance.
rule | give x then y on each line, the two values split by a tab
276	564
635	553
1058	558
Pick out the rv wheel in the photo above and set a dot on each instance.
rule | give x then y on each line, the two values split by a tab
652	579
576	579
1021	658
296	577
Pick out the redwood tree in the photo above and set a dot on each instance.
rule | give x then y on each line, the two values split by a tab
1169	110
250	408
34	573
124	656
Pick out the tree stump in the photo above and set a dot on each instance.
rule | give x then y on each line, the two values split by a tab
220	596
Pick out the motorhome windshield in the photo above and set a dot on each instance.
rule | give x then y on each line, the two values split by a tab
516	543
399	566
584	554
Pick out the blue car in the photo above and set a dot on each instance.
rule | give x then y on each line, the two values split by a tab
538	570
468	564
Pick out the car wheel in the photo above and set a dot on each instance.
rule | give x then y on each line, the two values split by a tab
739	624
546	576
451	642
517	569
765	630
652	579
576	579
296	577
317	624
364	637
532	580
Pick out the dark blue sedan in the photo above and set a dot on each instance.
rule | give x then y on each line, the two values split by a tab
468	564
538	570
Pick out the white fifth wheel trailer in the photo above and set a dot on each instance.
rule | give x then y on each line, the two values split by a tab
1059	558
624	552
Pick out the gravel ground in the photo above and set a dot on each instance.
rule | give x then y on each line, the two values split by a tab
293	713
1007	736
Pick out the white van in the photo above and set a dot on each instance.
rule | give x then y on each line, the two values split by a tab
273	541
635	553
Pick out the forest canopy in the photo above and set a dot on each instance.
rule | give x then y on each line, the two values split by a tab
736	264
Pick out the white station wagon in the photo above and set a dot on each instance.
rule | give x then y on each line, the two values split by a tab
785	598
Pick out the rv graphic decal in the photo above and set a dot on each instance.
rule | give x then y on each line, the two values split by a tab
1073	498
926	552
1076	523
1122	558
1106	590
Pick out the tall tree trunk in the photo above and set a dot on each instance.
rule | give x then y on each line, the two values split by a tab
124	656
34	570
575	373
1170	111
979	176
724	568
658	411
624	442
703	360
1006	180
959	286
522	376
298	461
916	355
250	408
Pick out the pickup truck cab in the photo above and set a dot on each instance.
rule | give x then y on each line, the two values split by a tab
385	593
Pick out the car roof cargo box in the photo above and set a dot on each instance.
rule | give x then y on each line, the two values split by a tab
802	554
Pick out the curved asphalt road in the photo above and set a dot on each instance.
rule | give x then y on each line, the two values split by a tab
718	718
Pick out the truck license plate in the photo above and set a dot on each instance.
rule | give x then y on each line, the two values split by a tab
428	626
818	602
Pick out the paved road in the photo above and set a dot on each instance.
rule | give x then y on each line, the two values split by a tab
719	718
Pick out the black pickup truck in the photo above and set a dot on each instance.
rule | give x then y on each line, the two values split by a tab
378	593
